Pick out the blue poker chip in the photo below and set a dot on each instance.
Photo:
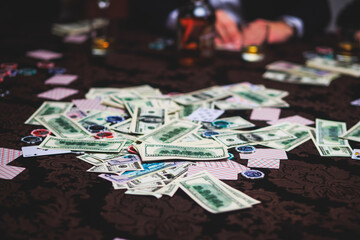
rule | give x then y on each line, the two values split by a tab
31	139
209	134
57	70
220	124
13	73
253	174
27	71
96	128
231	156
114	119
245	149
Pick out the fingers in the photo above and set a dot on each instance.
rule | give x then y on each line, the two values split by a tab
226	27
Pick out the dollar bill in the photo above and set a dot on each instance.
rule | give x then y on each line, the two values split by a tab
62	126
210	194
118	168
122	127
226	105
330	151
98	118
353	133
147	119
236	122
51	142
240	194
204	95
291	78
299	131
49	108
352	69
156	152
89	159
328	132
253	137
171	132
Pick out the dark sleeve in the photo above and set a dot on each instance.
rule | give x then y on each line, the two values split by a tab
314	14
349	17
152	14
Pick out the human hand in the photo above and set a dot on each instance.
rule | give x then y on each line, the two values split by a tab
260	31
227	31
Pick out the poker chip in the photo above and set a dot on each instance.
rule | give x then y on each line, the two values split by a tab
220	124
96	128
326	52
27	71
309	54
40	132
4	92
9	66
131	149
114	119
253	174
245	149
231	156
45	64
31	139
101	135
4	72
208	134
57	70
13	73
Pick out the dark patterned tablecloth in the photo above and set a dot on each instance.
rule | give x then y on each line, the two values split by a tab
309	197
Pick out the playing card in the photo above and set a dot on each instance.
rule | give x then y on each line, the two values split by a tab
293	119
9	172
7	155
205	114
85	105
356	102
223	164
77	39
58	93
34	151
269	114
264	163
43	54
218	172
265	153
62	79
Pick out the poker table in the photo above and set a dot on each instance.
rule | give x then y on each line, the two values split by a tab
308	197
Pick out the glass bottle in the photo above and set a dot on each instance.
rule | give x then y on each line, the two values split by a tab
195	33
100	36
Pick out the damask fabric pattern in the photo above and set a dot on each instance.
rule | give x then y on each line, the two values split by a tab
309	197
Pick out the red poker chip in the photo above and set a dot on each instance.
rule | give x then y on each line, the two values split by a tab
131	149
45	65
4	72
100	135
9	66
40	132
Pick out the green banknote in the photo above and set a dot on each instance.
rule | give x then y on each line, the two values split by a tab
353	133
210	193
328	132
147	119
48	108
51	142
62	126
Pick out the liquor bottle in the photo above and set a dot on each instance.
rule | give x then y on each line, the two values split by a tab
100	36
195	33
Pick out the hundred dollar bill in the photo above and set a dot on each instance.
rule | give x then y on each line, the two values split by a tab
330	151
300	70
240	194
108	168
51	142
236	122
144	193
352	69
204	95
299	131
49	108
156	152
98	118
226	105
89	159
253	137
291	78
171	132
353	133
62	126
328	132
123	127
254	97
210	194
147	119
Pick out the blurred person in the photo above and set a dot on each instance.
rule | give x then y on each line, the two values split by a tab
245	22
